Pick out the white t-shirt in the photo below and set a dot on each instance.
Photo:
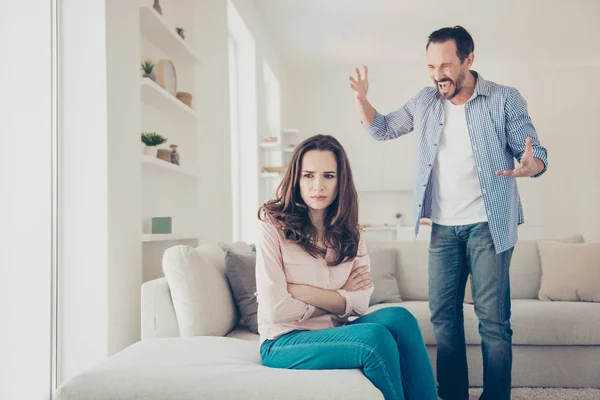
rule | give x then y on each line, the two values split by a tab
457	198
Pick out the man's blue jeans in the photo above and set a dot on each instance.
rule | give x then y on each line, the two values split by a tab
386	344
454	252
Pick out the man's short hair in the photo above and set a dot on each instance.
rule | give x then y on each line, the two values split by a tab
462	38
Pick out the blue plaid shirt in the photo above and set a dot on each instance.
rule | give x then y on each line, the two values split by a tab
498	126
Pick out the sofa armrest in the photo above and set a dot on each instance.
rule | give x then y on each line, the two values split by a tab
158	315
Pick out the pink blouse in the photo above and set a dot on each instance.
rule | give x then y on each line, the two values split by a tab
279	262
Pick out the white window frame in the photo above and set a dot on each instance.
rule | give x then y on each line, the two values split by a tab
244	146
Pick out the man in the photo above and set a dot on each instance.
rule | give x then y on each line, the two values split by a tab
469	133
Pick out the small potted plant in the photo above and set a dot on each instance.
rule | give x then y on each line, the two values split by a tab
398	218
152	140
180	32
148	68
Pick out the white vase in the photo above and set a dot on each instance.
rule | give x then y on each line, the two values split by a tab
151	151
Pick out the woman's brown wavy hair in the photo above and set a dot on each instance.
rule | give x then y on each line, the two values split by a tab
289	212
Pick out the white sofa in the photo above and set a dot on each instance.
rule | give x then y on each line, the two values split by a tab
555	344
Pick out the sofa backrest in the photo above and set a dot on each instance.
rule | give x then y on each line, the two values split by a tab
216	254
412	266
526	267
159	319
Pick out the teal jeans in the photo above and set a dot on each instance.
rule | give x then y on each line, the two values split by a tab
386	345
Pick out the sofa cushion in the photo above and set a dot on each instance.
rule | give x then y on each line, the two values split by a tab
240	270
158	316
555	323
411	265
383	276
570	272
534	322
525	269
208	368
243	333
201	297
412	270
216	253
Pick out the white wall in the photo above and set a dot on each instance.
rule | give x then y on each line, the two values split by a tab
84	289
124	186
571	190
213	100
25	198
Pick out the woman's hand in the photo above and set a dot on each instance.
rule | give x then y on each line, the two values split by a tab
359	279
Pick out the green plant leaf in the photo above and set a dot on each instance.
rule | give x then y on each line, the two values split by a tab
147	67
152	138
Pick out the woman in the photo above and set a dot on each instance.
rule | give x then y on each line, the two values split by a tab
312	273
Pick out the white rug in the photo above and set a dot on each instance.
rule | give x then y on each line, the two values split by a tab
546	394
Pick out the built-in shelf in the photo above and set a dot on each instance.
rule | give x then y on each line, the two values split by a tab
162	237
157	162
269	146
160	99
271	174
154	27
276	146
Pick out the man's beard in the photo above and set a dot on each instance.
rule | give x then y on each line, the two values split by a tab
458	85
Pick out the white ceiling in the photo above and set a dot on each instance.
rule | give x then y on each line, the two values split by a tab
330	33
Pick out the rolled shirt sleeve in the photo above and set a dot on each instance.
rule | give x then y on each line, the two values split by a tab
519	127
357	302
394	124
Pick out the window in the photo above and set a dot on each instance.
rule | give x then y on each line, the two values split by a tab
27	345
244	167
272	114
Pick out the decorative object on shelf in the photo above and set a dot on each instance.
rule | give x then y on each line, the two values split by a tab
181	32
270	139
398	218
148	68
185	98
151	140
161	225
156	6
279	170
289	138
166	76
164	154
174	154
